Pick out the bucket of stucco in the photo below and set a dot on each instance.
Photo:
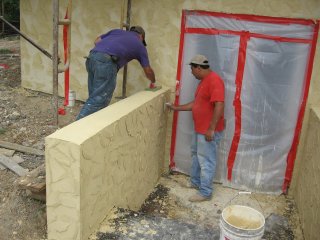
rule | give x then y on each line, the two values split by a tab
241	222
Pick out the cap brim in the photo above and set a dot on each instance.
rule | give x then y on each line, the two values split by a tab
200	64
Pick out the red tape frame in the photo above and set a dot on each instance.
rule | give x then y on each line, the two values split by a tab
244	37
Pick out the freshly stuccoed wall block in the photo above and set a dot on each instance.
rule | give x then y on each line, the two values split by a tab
111	158
306	191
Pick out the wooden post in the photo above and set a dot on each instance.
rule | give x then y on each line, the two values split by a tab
125	68
55	61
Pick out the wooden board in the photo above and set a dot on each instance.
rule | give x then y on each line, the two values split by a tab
35	181
21	148
12	165
15	158
7	152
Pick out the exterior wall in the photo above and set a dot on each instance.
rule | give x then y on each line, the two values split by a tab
111	158
161	20
89	19
306	192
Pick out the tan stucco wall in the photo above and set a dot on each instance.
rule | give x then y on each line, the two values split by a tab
306	192
112	158
161	20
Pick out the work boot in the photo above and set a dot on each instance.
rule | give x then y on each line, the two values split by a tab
198	198
188	185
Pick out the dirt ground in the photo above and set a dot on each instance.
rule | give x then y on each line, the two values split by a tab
26	118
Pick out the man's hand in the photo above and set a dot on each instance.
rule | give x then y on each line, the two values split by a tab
183	107
170	106
209	135
152	85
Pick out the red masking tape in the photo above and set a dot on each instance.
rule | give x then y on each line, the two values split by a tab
237	103
293	150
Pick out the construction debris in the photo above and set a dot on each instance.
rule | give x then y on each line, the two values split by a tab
6	152
12	165
15	158
35	183
21	148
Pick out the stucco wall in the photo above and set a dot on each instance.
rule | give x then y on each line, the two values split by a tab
111	158
306	192
161	20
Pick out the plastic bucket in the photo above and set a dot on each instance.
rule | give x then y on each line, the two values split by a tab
72	98
241	222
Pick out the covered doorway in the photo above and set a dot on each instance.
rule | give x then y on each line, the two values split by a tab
266	64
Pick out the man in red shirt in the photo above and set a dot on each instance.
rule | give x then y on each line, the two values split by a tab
207	111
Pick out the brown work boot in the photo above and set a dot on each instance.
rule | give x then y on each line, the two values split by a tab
198	198
188	185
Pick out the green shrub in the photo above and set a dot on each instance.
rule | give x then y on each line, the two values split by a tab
11	10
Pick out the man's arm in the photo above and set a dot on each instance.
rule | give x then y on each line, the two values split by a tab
148	71
217	113
184	107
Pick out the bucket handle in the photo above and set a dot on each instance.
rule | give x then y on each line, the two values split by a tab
243	193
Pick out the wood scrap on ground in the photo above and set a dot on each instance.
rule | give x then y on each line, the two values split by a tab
15	158
35	183
21	148
7	153
12	165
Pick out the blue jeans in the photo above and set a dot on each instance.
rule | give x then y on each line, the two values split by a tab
204	155
102	75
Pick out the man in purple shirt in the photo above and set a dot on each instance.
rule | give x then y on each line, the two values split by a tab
112	51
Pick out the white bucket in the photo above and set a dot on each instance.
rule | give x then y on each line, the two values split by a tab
241	222
72	98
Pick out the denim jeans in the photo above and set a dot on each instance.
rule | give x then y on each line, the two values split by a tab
204	155
102	75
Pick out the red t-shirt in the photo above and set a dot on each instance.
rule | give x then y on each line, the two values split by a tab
209	90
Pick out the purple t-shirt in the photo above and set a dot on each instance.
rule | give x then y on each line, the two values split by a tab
126	45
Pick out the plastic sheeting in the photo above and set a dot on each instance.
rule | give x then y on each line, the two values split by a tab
265	89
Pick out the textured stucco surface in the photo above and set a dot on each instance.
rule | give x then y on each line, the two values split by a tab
111	158
306	192
161	20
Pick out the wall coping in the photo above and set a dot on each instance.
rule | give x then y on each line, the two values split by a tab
105	117
316	110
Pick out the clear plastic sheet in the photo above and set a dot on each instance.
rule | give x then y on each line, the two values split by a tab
271	95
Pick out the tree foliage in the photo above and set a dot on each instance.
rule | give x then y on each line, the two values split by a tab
11	10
